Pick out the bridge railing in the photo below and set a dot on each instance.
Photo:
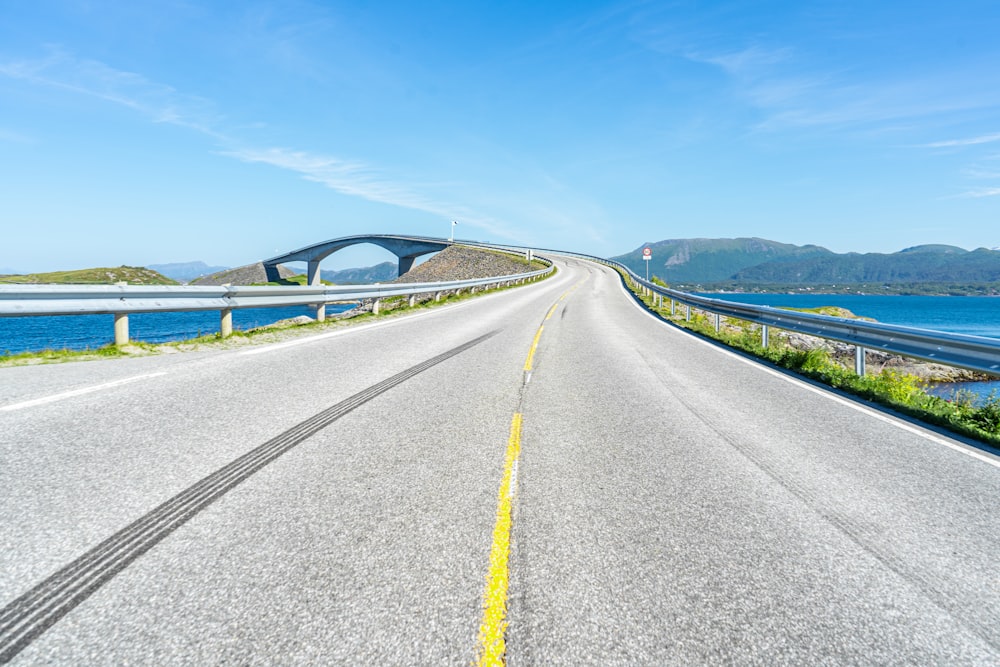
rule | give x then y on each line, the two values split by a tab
978	353
121	300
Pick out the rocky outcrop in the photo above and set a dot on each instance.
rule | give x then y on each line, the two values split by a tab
465	263
876	361
251	274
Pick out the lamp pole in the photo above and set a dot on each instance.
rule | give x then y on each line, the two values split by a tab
452	237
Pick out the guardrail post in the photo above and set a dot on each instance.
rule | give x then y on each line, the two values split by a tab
763	336
718	322
413	300
437	296
859	360
660	305
121	328
376	306
688	316
226	322
321	312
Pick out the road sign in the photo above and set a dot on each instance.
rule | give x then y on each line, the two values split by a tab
647	253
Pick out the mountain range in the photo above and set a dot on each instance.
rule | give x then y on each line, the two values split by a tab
760	261
185	271
365	275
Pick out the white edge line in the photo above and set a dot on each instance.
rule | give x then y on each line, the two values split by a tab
888	419
76	392
404	317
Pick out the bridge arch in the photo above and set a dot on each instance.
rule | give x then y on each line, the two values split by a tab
406	248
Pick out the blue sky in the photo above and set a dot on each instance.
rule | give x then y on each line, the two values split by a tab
140	133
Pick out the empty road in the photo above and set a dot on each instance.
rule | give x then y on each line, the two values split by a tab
548	474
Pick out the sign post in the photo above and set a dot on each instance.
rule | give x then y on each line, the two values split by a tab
647	254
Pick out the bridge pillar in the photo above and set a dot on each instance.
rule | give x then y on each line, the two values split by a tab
271	272
121	328
405	264
312	273
226	322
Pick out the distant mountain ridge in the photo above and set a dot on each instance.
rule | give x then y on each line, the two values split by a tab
364	275
186	271
755	260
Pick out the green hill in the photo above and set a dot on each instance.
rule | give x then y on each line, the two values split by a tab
927	265
713	260
753	261
133	275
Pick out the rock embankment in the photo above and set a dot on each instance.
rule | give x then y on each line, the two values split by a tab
876	361
251	274
465	263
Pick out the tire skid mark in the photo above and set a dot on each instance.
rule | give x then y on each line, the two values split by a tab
26	618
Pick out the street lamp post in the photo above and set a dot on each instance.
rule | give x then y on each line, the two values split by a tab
452	237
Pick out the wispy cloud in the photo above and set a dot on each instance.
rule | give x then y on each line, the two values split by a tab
162	103
12	137
345	177
980	173
158	102
980	192
750	61
984	139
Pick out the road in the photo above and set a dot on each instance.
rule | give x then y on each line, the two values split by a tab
344	499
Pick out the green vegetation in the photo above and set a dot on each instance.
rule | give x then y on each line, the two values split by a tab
901	392
134	275
759	265
297	279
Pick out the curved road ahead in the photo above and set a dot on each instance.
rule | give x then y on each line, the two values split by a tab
342	498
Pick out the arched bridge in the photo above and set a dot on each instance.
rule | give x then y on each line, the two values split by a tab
406	248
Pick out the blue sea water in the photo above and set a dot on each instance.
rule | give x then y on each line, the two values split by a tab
80	332
975	315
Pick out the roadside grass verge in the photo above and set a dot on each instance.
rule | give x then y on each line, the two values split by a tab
389	307
962	414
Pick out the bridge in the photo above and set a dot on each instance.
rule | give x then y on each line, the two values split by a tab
406	249
542	475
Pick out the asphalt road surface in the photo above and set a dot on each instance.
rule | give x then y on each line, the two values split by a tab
350	499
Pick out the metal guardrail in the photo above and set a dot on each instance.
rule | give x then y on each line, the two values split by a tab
977	353
121	300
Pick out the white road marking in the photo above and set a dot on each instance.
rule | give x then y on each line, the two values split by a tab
76	392
985	457
271	347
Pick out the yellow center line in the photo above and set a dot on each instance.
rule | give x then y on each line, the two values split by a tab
492	631
534	346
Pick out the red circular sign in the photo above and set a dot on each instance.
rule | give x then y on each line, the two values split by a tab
647	252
